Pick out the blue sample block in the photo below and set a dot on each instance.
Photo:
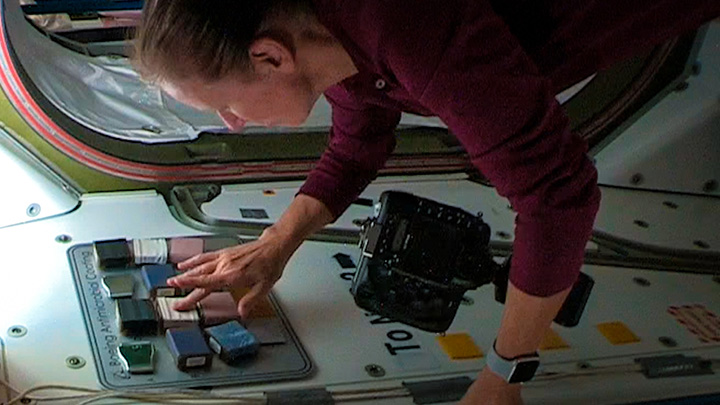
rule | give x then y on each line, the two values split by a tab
231	341
188	348
155	277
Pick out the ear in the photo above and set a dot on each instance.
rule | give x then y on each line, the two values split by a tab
268	55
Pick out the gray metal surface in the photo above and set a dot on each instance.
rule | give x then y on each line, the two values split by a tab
30	190
274	362
675	146
661	220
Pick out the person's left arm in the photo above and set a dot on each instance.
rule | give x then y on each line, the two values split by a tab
488	91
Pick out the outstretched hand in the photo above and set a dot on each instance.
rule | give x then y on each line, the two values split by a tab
256	265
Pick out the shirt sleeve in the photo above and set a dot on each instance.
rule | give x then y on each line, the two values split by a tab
492	97
362	137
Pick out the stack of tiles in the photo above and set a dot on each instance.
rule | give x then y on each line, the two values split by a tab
188	348
170	318
232	342
155	277
111	254
150	251
136	317
182	249
217	308
137	357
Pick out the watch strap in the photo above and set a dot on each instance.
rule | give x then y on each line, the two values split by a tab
518	369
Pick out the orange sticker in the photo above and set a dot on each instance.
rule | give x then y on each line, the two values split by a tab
553	341
617	333
459	346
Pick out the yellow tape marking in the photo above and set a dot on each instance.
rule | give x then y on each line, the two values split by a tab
617	333
459	346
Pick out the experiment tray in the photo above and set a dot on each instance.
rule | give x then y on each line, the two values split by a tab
275	362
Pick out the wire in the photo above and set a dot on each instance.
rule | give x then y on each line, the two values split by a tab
90	396
93	395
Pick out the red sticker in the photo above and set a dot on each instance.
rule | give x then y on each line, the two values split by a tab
698	320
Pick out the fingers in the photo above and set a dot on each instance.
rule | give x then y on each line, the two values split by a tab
191	300
249	300
197	260
209	281
181	280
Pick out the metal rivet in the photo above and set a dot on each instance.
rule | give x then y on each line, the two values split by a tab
643	282
701	244
641	223
503	235
668	341
710	186
380	84
467	301
33	210
63	239
682	86
637	179
670	204
374	370
17	331
75	362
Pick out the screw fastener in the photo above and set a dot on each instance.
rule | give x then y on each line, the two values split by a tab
75	362
374	370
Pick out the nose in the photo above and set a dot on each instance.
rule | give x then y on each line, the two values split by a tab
232	121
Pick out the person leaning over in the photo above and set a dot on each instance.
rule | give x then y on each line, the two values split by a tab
488	69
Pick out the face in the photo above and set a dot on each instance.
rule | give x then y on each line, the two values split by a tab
275	94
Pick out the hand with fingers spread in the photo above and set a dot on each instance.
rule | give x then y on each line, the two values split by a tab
256	265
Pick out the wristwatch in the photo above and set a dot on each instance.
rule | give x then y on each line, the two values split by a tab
516	370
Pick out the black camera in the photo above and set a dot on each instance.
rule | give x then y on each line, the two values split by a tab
419	257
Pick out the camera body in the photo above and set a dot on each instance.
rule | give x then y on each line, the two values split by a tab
418	259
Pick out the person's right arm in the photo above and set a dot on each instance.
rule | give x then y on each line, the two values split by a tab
257	264
362	138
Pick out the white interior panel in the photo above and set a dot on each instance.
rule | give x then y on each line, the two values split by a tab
37	292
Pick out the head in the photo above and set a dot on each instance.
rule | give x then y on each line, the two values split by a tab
235	57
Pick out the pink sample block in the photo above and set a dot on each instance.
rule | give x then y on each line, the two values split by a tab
182	249
217	308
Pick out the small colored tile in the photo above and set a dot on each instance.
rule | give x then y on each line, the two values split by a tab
170	318
182	249
269	331
218	308
459	346
136	317
188	348
263	309
155	277
137	357
119	286
232	342
111	254
617	333
553	341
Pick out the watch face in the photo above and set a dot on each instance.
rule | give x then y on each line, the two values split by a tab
524	371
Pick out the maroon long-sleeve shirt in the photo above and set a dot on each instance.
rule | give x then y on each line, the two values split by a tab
490	71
